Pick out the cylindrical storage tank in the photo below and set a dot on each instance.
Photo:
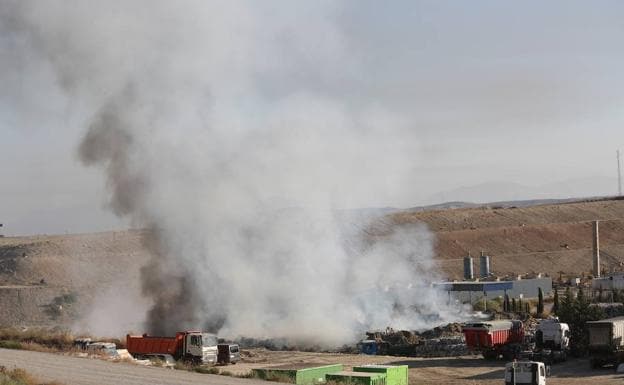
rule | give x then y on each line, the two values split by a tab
484	264
468	269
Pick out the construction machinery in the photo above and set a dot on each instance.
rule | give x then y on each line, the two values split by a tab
495	338
551	342
510	339
191	346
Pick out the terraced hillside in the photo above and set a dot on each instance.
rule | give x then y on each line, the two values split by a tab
539	239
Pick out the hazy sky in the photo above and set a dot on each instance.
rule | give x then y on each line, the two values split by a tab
492	91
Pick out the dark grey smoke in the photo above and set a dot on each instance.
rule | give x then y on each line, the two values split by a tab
109	142
171	287
238	186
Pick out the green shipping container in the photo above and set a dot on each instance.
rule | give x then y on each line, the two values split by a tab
395	374
357	378
300	374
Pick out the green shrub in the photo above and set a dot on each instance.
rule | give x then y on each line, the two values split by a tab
492	305
19	377
10	345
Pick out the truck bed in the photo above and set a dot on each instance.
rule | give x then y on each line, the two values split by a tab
152	345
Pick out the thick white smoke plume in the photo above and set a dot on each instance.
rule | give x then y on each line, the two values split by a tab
222	127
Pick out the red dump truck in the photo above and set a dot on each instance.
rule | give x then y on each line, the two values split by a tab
193	346
495	338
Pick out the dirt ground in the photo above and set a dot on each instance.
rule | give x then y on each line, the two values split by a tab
423	371
467	370
68	370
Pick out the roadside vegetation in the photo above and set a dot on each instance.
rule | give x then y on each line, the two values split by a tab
20	377
576	311
42	339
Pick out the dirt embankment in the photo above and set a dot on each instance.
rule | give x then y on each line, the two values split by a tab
47	280
539	239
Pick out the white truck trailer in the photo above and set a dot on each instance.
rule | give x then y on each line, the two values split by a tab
606	342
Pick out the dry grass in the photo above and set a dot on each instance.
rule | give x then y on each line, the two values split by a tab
44	340
55	339
272	376
20	377
180	365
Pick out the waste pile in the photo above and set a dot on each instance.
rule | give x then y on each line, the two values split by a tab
442	341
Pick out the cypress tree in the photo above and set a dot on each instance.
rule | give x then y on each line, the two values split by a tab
540	302
555	307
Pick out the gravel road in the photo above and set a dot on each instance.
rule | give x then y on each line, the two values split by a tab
85	371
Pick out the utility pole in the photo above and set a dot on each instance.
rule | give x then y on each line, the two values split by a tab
619	174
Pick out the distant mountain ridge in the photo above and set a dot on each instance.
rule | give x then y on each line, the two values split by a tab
500	191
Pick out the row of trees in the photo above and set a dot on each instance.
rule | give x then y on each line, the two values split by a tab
511	305
519	306
576	311
573	310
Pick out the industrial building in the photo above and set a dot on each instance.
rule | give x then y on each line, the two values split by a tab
466	291
609	282
472	289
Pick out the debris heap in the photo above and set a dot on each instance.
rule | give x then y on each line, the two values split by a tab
443	341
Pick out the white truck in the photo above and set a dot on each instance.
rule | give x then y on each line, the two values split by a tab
525	373
606	342
551	342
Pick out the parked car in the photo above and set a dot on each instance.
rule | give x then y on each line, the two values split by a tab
106	348
228	354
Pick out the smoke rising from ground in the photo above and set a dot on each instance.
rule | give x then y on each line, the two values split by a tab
219	128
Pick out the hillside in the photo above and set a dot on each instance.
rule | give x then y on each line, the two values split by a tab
54	279
48	280
541	239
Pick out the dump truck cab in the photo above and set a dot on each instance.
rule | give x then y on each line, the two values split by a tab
203	345
552	334
525	373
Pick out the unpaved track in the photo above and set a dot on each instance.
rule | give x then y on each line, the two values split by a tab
85	371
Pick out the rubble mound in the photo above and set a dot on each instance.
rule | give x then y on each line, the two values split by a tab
441	341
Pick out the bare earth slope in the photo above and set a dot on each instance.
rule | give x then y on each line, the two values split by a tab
51	280
545	238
